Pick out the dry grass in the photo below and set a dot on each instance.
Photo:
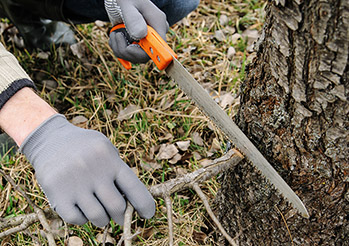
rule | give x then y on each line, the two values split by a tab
96	87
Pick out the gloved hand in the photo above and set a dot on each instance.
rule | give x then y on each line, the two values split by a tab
82	175
135	14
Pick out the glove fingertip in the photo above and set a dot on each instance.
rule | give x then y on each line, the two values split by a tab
71	215
137	32
117	38
138	54
136	26
147	209
120	220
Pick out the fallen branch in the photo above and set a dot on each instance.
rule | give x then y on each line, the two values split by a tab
191	180
17	224
230	159
211	214
128	221
163	190
105	233
168	204
22	222
27	222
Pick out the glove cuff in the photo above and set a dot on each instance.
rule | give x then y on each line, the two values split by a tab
113	11
33	140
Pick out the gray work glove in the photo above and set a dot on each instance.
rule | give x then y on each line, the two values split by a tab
135	14
82	175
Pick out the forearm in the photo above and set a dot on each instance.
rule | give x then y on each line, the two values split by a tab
21	110
23	113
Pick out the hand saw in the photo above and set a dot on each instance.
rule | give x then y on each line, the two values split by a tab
166	59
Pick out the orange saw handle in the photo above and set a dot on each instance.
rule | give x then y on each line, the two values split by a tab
153	44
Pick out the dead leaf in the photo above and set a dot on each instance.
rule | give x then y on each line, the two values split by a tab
166	103
215	145
152	151
209	153
168	137
235	38
219	35
43	55
206	162
79	119
199	237
175	159
100	23
252	35
183	145
189	49
108	239
150	165
147	232
57	228
78	49
128	112
226	100
19	41
223	20
197	156
231	52
197	139
185	21
108	112
167	151
49	84
3	27
180	171
75	241
229	30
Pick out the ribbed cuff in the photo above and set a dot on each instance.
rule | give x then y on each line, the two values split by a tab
53	122
13	88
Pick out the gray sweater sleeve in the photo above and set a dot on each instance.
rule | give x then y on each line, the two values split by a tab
12	76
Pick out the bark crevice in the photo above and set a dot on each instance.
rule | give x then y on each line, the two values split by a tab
294	108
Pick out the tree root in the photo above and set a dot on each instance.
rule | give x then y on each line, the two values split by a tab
163	190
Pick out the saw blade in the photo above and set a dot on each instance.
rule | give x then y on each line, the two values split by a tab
207	105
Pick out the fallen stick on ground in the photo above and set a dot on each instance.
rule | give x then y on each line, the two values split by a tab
163	190
40	216
191	180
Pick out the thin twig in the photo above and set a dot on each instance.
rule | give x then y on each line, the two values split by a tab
40	213
202	196
25	219
230	159
19	219
16	187
66	231
127	225
105	234
18	224
168	204
121	240
164	190
46	226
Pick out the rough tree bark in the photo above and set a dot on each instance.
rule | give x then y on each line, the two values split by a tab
294	107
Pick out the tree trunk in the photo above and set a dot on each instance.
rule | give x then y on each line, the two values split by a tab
294	107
